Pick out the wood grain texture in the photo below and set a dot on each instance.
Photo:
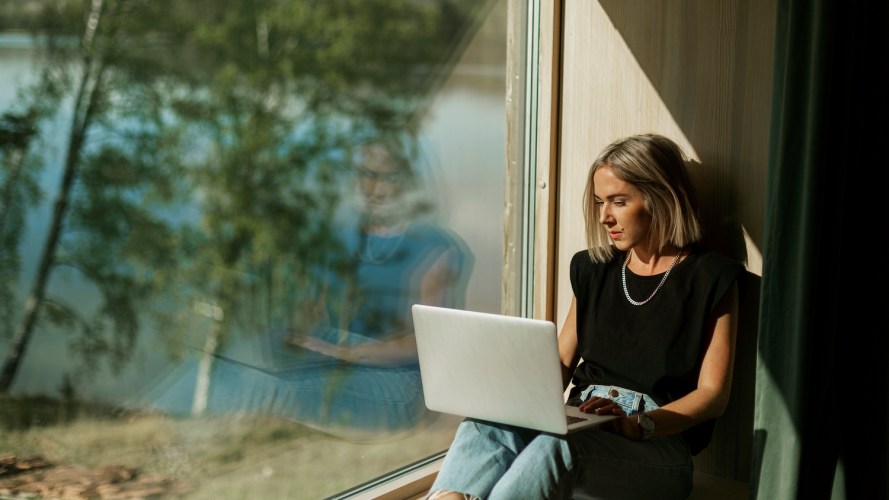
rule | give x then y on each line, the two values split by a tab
699	72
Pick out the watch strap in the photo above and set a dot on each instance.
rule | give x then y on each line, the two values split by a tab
646	424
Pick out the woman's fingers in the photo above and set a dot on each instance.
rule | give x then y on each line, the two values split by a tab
601	406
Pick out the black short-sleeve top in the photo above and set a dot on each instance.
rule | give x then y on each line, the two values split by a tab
655	348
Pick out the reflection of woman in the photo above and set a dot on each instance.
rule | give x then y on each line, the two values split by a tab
397	259
348	364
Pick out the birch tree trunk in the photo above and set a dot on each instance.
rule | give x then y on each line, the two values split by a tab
85	105
205	365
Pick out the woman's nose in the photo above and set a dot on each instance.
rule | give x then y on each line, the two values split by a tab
604	214
376	188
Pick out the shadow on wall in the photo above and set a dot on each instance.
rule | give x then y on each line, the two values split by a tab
730	453
711	64
718	203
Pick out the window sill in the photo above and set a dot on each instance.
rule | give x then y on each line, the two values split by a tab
409	484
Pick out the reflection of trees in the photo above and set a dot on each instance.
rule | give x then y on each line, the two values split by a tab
198	160
18	190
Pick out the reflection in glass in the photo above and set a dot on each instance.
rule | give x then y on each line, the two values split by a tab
222	210
346	363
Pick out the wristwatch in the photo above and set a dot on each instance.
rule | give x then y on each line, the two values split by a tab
646	424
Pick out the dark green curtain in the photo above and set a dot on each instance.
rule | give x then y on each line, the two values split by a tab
821	426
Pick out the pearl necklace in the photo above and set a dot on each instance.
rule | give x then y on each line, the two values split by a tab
386	250
623	278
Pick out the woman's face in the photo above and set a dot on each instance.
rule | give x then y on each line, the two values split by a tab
380	181
621	210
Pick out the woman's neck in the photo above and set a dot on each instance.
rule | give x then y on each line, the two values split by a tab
378	227
648	263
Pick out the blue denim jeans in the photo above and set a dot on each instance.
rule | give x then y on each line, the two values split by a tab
631	402
494	461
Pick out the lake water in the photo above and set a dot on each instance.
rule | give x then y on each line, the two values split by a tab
465	136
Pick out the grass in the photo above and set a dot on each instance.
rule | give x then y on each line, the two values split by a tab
232	457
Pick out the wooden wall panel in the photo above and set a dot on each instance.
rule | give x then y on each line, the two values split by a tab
699	72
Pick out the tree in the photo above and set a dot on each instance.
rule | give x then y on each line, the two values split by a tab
302	82
202	154
100	190
18	190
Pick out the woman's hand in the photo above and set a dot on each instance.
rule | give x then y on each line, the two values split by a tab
601	406
624	426
395	352
320	346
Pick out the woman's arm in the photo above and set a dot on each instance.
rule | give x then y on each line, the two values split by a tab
402	348
568	354
711	396
398	351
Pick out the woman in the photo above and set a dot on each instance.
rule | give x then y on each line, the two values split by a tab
653	320
394	257
346	364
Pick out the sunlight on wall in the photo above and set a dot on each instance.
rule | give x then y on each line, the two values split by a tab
673	71
754	255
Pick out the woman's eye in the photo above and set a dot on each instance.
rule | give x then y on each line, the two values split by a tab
619	203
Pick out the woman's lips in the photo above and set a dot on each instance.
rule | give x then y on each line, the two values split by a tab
614	235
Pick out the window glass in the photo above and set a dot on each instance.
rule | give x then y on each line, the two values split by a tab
214	217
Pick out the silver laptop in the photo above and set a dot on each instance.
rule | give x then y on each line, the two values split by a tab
494	367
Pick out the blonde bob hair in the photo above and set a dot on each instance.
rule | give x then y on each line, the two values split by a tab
656	166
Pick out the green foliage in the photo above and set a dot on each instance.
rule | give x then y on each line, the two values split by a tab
18	192
20	14
210	146
25	412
